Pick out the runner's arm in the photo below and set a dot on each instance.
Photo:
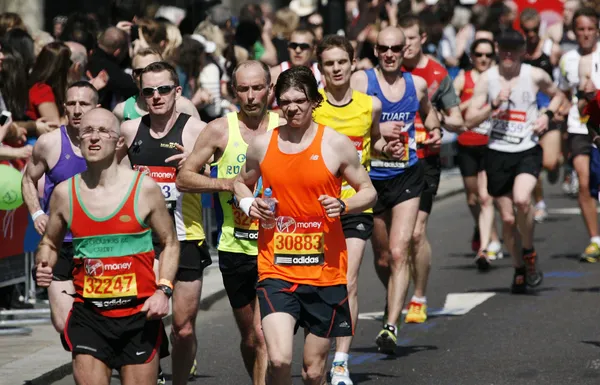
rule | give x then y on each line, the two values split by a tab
431	121
119	111
359	81
36	167
459	84
377	140
585	69
447	103
243	183
547	86
163	227
128	131
479	109
356	176
190	178
47	251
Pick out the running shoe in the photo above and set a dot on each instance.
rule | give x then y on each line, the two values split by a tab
519	283
553	175
540	214
161	380
417	313
340	374
386	340
475	240
534	276
591	253
194	370
494	251
482	261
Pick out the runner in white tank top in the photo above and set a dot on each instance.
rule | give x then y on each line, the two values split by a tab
507	94
579	142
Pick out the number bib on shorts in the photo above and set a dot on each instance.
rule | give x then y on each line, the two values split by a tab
299	241
165	177
510	126
110	282
244	227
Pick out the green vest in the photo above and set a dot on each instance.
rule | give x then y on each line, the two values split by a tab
129	110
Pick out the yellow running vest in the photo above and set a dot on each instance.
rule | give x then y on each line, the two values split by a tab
353	120
238	233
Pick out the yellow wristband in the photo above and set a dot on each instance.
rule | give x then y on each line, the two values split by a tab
166	282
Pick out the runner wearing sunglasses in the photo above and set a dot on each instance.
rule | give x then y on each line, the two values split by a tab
472	146
158	144
514	158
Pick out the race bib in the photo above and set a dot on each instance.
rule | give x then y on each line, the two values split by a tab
358	144
109	285
299	241
244	227
165	177
510	126
420	133
484	128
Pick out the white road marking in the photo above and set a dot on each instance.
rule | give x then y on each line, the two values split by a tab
567	211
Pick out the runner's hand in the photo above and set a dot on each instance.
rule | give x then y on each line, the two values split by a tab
541	124
391	130
333	207
43	125
503	96
43	274
157	306
181	157
24	152
261	210
435	139
40	224
395	149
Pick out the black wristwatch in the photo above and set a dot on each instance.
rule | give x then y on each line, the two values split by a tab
165	289
343	204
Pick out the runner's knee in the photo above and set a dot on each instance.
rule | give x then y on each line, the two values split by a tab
523	203
280	363
508	218
183	330
312	373
399	255
472	198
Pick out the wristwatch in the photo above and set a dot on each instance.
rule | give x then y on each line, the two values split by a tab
343	204
165	289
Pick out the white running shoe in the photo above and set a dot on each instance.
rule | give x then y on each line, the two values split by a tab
340	374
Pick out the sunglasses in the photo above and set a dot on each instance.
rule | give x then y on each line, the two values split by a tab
162	90
302	46
395	48
534	29
480	54
137	72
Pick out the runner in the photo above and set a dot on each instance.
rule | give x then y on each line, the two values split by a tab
136	107
302	259
586	29
225	140
551	140
57	155
514	158
472	146
399	184
355	115
156	145
446	102
115	322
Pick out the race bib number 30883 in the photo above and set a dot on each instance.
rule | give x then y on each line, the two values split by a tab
299	241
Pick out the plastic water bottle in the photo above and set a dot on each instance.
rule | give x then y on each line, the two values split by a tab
268	199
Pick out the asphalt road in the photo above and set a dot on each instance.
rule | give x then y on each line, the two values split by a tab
549	337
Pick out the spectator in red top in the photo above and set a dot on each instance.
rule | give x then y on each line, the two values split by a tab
48	82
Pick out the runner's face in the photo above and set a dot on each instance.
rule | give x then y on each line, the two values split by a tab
586	32
482	57
336	66
252	90
141	62
296	107
301	48
160	104
531	28
98	136
79	101
414	41
509	58
390	49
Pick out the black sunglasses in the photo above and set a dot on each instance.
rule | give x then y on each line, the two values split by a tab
162	90
395	48
480	54
302	46
534	29
137	72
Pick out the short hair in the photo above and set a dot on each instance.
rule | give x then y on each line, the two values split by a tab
510	39
529	14
304	30
410	20
302	79
147	52
587	12
479	42
249	63
160	66
334	41
88	85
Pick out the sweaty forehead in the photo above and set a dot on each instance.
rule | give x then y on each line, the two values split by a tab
251	75
100	118
292	94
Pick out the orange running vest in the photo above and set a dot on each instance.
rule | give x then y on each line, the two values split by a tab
305	246
113	256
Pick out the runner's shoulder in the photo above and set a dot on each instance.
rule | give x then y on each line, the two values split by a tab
438	68
129	127
48	142
218	128
338	142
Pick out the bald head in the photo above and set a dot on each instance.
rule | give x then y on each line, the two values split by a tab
101	118
78	52
251	66
390	36
112	39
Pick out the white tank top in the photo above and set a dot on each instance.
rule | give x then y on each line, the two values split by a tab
512	123
569	82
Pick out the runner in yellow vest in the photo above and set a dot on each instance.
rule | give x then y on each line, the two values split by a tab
224	141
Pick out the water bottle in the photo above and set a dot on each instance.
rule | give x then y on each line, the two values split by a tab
268	199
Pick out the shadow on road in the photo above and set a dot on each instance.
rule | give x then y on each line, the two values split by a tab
401	351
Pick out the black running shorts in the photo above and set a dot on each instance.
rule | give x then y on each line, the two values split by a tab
358	226
470	160
117	342
194	257
503	167
432	168
240	275
392	192
63	269
579	144
323	310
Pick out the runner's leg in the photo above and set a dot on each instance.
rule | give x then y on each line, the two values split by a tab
278	329
471	191
487	227
144	374
88	370
315	359
252	346
586	201
186	299
381	246
506	208
61	303
422	254
524	185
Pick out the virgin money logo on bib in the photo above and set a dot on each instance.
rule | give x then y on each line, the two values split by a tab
286	225
94	267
